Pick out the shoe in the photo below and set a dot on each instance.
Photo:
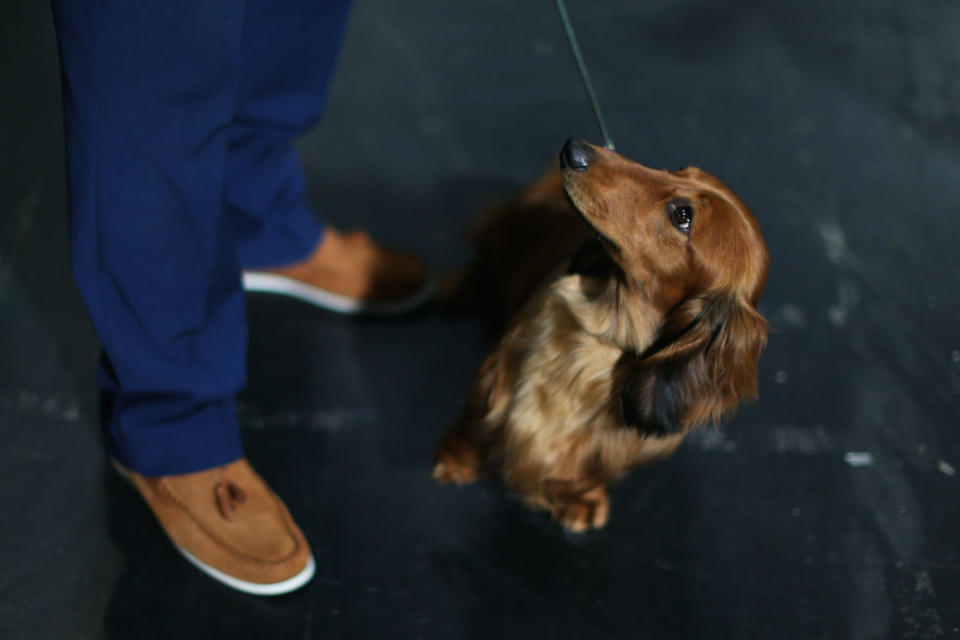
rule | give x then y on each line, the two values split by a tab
229	524
348	273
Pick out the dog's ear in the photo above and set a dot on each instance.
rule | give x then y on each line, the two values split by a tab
701	367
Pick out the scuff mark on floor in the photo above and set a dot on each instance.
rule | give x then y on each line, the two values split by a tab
325	420
858	458
28	402
848	296
834	240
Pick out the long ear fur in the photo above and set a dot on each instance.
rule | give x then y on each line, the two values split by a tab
703	365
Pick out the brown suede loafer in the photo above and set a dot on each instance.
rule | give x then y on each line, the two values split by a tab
230	525
349	273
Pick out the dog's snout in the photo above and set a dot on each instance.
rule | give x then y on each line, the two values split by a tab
576	155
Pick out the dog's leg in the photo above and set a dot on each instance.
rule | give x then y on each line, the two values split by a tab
578	505
463	451
459	459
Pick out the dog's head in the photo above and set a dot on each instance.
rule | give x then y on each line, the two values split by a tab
687	246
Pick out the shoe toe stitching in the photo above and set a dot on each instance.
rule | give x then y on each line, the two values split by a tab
174	496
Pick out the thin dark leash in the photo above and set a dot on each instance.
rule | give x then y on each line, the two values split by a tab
584	74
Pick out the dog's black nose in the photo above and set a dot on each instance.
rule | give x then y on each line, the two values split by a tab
576	155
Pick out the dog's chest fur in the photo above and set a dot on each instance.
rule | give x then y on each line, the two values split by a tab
566	408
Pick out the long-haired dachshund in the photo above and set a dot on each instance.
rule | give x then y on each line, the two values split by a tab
647	330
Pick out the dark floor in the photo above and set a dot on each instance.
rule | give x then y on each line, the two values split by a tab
828	509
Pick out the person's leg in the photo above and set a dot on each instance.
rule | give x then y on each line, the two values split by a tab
288	56
289	53
150	91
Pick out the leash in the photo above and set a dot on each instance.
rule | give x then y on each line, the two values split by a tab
581	65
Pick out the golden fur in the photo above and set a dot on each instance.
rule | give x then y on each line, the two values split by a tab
647	331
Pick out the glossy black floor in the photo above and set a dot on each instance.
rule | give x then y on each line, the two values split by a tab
828	509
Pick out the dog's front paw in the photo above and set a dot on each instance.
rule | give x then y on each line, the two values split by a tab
452	472
457	462
590	510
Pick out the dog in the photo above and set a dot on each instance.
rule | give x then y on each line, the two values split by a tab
629	297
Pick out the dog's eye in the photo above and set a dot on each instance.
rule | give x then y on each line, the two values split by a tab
681	214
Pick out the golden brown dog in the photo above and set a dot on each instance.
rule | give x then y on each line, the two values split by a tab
647	331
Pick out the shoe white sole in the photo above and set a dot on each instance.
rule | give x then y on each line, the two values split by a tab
261	282
255	588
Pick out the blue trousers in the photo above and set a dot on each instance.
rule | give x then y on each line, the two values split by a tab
180	116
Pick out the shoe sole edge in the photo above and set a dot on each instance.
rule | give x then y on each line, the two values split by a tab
255	588
260	282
